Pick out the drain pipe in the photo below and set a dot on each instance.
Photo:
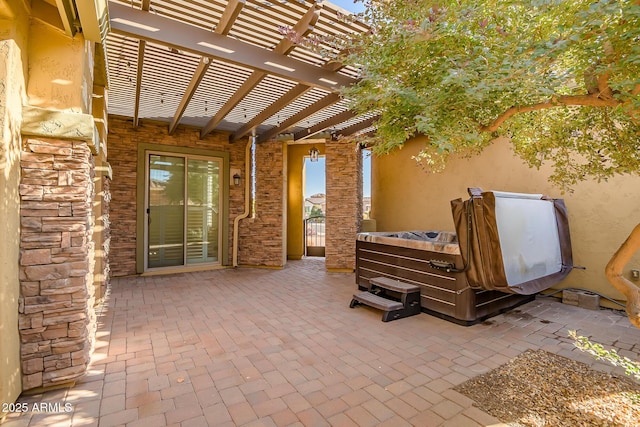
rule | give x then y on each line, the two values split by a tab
247	188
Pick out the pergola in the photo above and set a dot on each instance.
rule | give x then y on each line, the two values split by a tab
232	66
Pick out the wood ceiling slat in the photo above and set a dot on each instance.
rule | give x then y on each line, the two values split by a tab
187	38
356	127
294	107
224	25
301	115
187	12
324	125
257	24
304	25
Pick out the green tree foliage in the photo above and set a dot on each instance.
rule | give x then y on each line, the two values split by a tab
560	78
315	212
597	350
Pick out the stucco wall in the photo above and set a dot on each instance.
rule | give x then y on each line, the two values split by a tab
601	215
58	66
12	59
295	197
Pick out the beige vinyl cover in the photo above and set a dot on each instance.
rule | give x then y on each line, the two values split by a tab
511	242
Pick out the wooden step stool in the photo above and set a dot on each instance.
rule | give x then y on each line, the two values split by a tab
396	299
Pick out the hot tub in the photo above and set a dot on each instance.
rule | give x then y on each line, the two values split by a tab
506	248
424	258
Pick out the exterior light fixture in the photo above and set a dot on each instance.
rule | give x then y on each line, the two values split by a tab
135	25
280	66
313	154
331	82
216	47
236	179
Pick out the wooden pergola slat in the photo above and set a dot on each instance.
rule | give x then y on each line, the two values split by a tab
225	24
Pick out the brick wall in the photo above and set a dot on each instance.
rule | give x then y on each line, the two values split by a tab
56	305
344	203
123	140
261	238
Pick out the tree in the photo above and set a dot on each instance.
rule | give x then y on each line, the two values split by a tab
315	212
560	78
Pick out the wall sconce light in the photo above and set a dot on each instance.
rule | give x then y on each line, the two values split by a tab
236	179
313	154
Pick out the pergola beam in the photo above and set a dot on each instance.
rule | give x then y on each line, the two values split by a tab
141	48
228	18
136	109
254	79
164	31
328	100
325	102
293	94
356	127
288	98
197	77
225	24
324	125
303	27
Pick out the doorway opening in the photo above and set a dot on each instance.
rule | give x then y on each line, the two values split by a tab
183	201
315	203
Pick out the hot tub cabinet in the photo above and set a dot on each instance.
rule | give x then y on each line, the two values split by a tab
506	248
420	258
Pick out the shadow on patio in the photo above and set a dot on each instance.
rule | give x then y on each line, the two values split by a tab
281	347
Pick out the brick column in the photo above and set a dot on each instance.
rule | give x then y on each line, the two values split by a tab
344	204
56	310
262	237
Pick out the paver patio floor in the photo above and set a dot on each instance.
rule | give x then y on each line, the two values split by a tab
258	347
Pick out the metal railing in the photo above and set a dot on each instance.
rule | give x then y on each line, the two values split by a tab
314	236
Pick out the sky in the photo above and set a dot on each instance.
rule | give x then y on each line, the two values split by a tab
349	5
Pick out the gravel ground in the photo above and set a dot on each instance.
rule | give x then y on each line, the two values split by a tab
539	388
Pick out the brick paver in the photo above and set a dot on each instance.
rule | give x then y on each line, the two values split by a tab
282	347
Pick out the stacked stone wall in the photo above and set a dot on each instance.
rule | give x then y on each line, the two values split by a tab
101	234
106	240
261	237
56	306
344	203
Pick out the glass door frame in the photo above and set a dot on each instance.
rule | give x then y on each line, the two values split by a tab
142	180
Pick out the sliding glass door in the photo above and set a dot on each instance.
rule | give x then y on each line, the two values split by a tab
183	210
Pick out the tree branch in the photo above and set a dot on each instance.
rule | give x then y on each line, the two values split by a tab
604	91
583	100
613	271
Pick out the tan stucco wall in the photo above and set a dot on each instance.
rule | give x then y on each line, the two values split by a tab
13	30
59	70
601	215
295	197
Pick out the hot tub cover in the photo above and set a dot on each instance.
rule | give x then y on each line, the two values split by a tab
513	242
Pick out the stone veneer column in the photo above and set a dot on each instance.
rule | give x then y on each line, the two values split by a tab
56	309
262	237
344	204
